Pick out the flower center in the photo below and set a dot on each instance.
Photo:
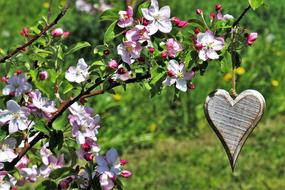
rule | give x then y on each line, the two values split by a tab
180	75
129	49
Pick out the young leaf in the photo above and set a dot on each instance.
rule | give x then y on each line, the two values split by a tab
110	33
255	4
110	14
78	47
61	173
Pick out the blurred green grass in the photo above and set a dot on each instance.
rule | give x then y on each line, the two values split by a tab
166	141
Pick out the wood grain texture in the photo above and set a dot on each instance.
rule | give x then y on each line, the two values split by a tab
234	119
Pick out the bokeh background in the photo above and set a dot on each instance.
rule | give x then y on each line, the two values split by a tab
169	144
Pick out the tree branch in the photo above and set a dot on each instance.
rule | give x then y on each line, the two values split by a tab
115	84
37	36
241	16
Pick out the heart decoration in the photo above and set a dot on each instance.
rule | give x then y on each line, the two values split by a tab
234	119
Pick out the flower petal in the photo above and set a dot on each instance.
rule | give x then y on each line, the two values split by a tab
181	85
165	26
112	155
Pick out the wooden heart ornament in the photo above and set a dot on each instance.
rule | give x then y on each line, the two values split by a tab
234	119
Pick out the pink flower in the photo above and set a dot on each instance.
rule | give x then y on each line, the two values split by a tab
112	64
106	182
251	38
129	51
209	45
126	173
177	74
23	163
57	32
121	74
83	123
17	85
225	17
173	47
30	174
7	153
43	106
138	34
50	162
159	18
126	18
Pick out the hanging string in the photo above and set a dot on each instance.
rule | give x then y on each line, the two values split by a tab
233	90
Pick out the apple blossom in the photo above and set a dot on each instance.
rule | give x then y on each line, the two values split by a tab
121	74
42	104
218	6
16	116
109	164
173	47
138	34
4	184
23	163
177	74
251	38
7	153
129	51
57	32
208	45
112	64
159	18
126	18
30	174
50	162
17	85
225	17
79	73
83	123
106	182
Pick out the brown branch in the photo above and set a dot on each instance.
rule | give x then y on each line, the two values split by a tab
115	84
37	36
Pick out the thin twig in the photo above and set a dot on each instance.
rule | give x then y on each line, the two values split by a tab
241	16
234	92
37	36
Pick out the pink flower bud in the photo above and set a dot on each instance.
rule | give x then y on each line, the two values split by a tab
141	59
18	72
4	79
66	34
151	50
123	162
164	55
14	188
199	11
176	20
106	52
64	184
112	64
183	24
43	75
218	7
57	32
198	46
170	73
145	22
126	173
197	30
86	147
25	31
251	38
212	16
88	156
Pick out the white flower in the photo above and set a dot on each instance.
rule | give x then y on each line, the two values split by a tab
17	85
208	45
7	153
30	174
79	73
109	164
42	103
177	74
16	116
159	18
4	185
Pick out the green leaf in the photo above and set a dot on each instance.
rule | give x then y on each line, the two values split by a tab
56	139
255	4
77	47
47	185
40	126
110	14
226	63
110	33
61	173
